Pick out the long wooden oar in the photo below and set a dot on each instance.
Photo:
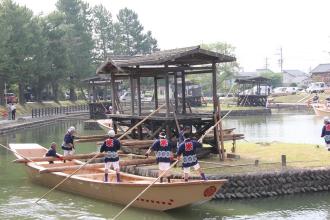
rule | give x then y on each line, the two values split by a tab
212	127
140	194
129	130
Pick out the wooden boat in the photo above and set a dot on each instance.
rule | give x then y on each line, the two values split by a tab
89	182
321	110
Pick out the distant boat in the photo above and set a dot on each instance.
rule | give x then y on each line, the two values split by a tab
321	109
89	183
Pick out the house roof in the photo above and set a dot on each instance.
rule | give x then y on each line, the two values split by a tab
175	57
295	73
253	80
322	68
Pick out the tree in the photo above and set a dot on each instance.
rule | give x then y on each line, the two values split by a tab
276	78
103	33
129	36
225	71
77	17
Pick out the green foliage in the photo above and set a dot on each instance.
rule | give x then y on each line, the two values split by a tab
276	78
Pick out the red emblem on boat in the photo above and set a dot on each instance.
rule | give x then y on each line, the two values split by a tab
188	146
209	191
163	143
109	143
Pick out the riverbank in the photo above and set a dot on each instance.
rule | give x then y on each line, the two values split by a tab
260	171
26	109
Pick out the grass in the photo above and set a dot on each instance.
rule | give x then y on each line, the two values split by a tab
27	108
295	98
297	156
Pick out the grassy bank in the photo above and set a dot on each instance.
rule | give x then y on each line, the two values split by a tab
27	108
269	156
295	98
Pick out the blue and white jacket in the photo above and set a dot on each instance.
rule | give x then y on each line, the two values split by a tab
111	146
188	150
163	149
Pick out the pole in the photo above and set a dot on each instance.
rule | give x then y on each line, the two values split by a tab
129	130
129	204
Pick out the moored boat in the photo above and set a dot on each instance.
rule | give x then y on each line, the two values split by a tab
89	182
321	110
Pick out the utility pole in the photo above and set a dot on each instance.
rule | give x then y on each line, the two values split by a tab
266	63
280	61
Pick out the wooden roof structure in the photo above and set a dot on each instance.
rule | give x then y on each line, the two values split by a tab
190	59
253	80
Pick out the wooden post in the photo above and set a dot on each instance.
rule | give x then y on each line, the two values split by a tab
216	135
131	80
221	133
94	92
214	86
283	158
113	94
176	92
138	87
256	163
167	93
156	92
183	95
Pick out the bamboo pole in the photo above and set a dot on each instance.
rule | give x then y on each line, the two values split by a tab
129	204
129	130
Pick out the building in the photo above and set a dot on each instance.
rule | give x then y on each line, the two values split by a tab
321	73
294	76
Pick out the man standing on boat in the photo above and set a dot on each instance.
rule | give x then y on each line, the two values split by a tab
326	132
111	146
68	146
188	150
163	148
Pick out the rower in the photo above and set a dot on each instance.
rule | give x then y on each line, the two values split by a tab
188	150
163	148
186	129
52	152
68	146
326	133
111	146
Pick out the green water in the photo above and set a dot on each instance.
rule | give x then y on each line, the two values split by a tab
17	194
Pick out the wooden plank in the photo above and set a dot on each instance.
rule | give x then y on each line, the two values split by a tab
77	156
156	92
131	80
98	165
183	92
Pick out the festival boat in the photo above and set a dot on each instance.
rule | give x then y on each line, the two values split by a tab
321	110
89	182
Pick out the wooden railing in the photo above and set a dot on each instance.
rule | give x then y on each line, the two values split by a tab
42	112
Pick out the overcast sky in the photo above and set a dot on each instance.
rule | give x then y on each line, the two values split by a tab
257	28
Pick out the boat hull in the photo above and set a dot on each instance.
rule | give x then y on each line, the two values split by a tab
321	110
160	196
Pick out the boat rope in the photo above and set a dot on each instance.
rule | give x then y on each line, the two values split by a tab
96	155
129	204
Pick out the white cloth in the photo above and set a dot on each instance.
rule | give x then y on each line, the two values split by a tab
187	169
108	165
68	152
13	107
164	166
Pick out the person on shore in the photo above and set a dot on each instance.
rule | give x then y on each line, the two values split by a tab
52	152
185	129
13	111
326	132
188	151
111	146
163	148
316	99
68	146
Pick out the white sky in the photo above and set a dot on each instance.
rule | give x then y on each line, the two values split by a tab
257	28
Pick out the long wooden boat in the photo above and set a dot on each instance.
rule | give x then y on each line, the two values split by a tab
321	110
89	182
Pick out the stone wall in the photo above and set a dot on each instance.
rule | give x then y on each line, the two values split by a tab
257	185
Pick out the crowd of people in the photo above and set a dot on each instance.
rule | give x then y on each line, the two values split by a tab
165	151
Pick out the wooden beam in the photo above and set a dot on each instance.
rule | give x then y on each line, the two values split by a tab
131	80
214	87
71	157
183	93
98	165
176	103
167	94
113	93
156	92
138	86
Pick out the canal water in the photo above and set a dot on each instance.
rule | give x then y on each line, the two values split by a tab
17	194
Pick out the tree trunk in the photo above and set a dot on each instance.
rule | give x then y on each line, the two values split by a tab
2	92
55	91
21	98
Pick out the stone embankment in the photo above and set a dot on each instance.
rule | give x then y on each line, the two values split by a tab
266	184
